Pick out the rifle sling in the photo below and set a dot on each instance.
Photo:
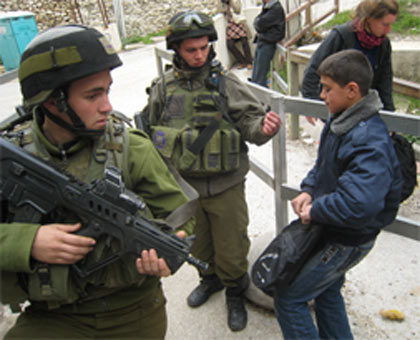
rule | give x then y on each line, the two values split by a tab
204	137
183	213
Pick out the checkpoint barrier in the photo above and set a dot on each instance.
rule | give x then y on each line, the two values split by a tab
295	106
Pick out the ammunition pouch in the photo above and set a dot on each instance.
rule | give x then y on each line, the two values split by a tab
220	154
49	283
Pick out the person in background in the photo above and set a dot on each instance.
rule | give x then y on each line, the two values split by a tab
199	116
236	32
366	32
65	78
270	25
353	191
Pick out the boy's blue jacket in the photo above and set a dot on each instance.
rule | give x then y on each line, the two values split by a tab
356	182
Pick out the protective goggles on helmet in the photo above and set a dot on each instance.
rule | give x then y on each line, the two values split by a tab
186	20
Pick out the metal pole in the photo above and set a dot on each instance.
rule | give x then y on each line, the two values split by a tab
293	79
119	18
280	166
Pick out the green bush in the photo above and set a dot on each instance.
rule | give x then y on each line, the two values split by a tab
406	23
337	19
147	39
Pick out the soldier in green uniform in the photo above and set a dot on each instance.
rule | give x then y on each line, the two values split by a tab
200	117
65	80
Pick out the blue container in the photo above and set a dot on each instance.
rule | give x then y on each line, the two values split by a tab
17	29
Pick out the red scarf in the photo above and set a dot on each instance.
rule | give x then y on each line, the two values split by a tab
366	39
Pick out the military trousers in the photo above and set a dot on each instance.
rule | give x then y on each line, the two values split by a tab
145	319
222	234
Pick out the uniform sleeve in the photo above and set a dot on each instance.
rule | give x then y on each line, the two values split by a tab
153	181
361	188
16	241
311	82
245	110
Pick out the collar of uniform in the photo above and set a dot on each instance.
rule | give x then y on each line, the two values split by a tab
199	74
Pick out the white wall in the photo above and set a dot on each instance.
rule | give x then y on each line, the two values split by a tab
220	24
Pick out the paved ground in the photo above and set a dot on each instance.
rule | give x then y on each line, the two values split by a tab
387	279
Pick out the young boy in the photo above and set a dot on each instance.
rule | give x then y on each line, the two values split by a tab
353	190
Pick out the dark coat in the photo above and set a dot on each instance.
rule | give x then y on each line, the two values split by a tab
343	37
356	182
270	24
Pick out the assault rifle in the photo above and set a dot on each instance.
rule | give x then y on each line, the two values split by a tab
105	207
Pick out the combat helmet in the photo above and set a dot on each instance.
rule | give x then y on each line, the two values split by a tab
58	56
191	24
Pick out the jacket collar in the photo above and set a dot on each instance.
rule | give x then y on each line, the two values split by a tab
362	110
190	74
269	4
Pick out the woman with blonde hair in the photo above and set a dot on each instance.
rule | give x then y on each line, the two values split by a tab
366	32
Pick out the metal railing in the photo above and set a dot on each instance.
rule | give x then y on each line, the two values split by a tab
309	22
295	106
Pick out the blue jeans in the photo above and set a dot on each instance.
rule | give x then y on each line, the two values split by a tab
321	279
263	55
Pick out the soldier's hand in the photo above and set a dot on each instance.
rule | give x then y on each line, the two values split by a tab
150	264
55	244
271	123
311	120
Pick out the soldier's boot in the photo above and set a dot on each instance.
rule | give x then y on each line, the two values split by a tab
208	285
235	301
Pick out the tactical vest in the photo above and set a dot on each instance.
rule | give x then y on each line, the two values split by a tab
195	131
58	284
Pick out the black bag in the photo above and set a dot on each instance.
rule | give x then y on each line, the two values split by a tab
405	153
280	263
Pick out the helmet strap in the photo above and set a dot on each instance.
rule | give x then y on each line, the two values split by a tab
77	127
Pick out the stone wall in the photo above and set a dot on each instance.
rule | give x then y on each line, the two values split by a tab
141	17
48	13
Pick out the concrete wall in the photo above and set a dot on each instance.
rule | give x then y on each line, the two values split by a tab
405	60
221	48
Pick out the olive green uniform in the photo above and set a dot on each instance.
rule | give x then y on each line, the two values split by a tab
116	301
182	101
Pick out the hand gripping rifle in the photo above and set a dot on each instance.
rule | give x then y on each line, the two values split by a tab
105	207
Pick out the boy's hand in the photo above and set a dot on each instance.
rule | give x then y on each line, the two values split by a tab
300	201
305	214
271	123
302	206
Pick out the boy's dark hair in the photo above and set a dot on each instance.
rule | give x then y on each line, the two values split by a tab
346	66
